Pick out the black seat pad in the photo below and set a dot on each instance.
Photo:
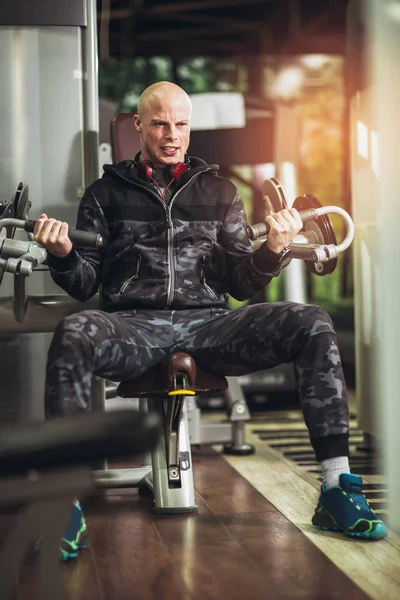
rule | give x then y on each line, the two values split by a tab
79	439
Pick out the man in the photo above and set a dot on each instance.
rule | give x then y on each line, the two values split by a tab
175	245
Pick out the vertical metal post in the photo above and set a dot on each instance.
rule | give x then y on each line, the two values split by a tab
98	403
90	90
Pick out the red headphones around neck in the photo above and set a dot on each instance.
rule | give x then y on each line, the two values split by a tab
146	169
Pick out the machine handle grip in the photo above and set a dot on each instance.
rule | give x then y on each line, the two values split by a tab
81	238
260	229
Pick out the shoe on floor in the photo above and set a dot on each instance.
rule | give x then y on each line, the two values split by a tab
75	536
344	508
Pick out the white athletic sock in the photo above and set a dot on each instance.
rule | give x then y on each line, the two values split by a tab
332	468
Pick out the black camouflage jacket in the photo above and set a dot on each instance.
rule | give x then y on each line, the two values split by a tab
189	253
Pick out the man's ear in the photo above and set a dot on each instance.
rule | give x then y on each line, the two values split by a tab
137	122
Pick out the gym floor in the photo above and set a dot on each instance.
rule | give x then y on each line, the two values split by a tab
251	538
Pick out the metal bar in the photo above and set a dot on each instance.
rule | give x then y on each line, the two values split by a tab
43	313
39	486
227	23
182	7
90	95
201	31
120	478
98	403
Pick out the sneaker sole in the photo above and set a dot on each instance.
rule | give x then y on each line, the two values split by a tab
375	535
323	520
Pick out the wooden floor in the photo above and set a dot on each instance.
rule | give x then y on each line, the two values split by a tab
238	547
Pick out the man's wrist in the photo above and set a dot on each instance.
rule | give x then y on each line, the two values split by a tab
275	249
266	260
59	263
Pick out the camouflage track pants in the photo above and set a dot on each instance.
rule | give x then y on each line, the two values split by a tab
122	345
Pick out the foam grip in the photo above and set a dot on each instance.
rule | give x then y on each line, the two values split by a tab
78	237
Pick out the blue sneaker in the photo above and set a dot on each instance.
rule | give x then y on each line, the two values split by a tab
75	536
345	508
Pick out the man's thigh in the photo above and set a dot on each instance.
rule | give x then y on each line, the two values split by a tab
251	338
121	345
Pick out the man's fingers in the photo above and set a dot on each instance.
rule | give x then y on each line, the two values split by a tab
63	233
272	222
64	228
288	219
54	232
49	230
39	224
285	220
296	215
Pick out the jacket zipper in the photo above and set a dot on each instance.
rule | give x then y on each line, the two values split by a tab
171	266
170	237
203	278
134	276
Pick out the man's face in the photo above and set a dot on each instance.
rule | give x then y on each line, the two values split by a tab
164	127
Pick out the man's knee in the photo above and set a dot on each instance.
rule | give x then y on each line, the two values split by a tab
318	320
307	320
76	332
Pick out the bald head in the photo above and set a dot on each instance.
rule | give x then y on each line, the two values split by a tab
163	123
162	92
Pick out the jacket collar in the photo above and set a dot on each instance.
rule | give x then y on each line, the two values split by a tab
126	170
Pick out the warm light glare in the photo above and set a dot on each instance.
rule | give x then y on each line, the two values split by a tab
288	82
374	152
362	140
314	61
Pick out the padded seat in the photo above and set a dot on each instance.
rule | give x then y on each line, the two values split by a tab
160	378
125	141
75	440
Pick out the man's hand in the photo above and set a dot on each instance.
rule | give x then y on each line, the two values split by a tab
285	225
53	236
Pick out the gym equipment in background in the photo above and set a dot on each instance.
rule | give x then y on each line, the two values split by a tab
316	243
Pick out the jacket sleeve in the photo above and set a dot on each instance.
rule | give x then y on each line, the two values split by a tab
247	271
79	273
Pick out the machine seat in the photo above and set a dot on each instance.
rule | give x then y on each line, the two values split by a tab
80	439
159	380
